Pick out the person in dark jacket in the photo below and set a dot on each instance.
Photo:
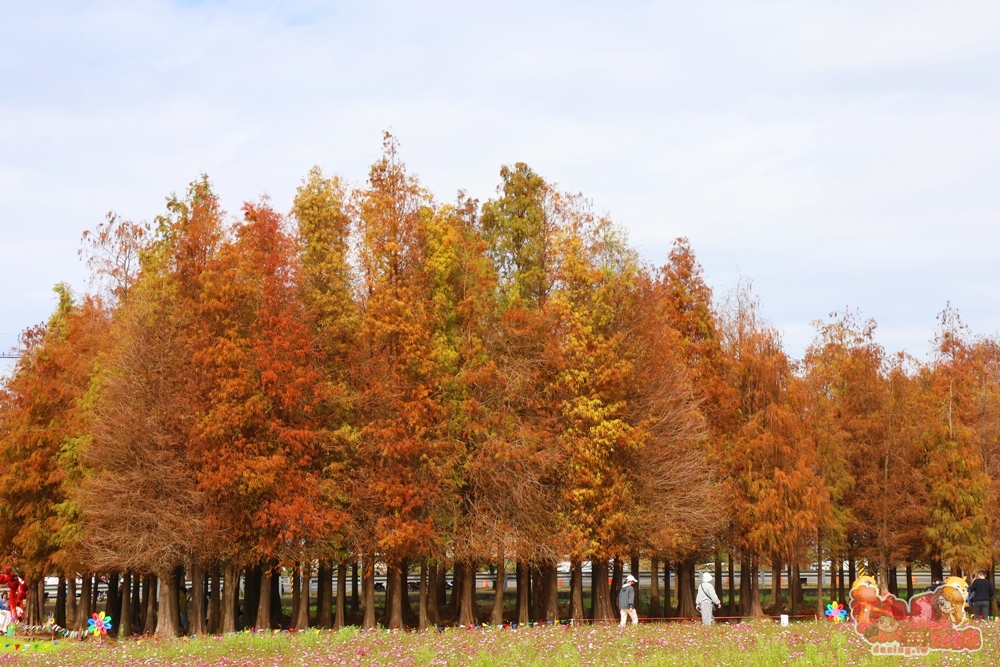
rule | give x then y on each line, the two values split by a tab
626	602
980	593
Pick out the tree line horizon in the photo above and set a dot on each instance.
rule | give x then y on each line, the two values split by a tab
379	377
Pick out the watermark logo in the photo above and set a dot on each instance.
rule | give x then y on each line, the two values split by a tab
931	621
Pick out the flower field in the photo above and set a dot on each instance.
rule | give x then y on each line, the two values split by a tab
751	643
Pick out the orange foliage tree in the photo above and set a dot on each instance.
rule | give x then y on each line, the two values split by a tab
383	377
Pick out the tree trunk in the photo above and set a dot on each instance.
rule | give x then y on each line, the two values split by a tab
456	588
893	582
794	589
368	592
197	623
215	602
523	594
422	604
263	621
94	593
471	592
602	609
83	608
909	580
840	582
776	603
136	605
40	589
34	605
390	595
499	589
633	569
33	613
552	593
937	569
667	594
277	619
206	593
181	593
466	596
537	612
230	595
833	580
616	583
394	597
993	601
111	599
167	626
302	619
576	612
654	587
70	601
61	603
718	575
685	594
296	593
355	589
149	618
755	609
251	596
540	592
409	617
324	595
124	620
746	571
440	591
433	613
340	620
852	569
143	598
593	590
731	609
820	604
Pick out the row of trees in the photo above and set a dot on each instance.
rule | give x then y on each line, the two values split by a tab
381	378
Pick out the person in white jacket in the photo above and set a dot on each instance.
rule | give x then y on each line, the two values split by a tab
707	599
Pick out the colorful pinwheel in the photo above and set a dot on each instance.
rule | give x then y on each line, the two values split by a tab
836	613
98	624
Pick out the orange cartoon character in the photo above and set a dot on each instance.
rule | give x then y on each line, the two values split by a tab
948	602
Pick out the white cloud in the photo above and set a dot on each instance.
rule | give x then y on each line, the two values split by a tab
839	153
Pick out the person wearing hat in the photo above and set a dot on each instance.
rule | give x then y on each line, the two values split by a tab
706	599
626	602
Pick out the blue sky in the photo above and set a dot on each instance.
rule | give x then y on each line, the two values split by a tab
839	154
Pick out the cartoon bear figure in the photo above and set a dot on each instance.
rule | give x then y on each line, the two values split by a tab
864	601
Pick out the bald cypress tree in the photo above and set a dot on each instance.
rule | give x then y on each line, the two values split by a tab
953	471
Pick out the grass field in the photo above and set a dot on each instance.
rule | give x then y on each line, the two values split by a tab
749	643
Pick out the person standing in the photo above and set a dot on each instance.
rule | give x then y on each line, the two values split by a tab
707	599
626	602
5	616
182	604
980	593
